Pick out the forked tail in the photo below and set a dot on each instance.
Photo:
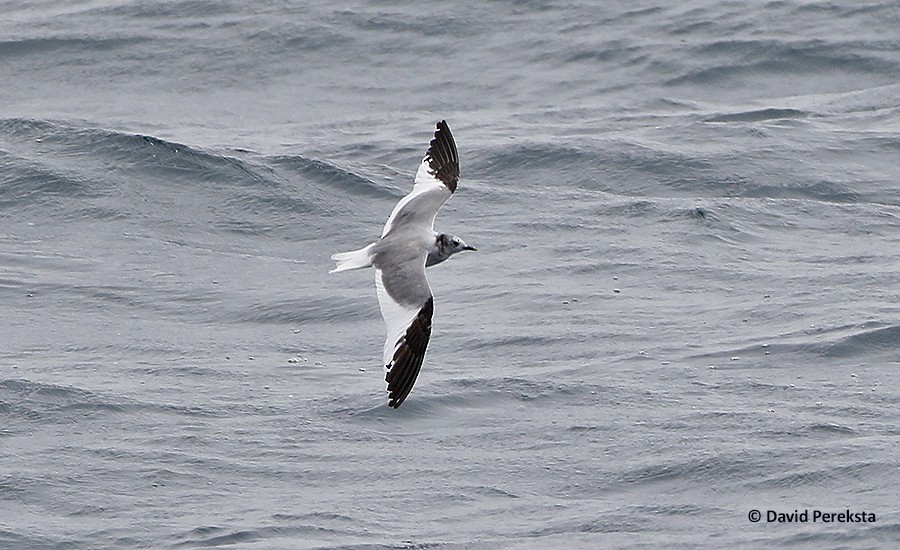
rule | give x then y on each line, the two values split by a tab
356	259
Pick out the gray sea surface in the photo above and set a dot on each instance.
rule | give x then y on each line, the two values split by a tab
685	304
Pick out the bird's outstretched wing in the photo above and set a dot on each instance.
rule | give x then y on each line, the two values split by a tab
407	307
435	181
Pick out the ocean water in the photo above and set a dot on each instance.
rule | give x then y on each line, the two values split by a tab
685	304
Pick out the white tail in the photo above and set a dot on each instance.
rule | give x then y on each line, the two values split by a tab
357	259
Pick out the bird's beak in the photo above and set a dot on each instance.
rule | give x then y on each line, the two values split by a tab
472	248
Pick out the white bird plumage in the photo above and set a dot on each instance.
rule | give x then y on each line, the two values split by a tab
408	245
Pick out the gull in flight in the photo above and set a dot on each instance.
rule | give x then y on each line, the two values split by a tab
407	246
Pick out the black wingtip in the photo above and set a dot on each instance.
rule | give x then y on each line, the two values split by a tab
407	361
442	157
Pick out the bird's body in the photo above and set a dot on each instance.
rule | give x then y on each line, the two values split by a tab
407	246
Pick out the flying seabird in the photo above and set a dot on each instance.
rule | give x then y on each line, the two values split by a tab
407	246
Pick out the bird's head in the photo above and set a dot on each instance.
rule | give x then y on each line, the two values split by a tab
453	244
445	246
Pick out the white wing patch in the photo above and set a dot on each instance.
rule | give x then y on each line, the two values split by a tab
409	329
427	197
397	317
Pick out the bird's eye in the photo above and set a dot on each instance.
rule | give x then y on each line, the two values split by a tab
455	242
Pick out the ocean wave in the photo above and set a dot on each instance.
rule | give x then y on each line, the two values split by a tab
745	59
331	176
831	475
614	166
841	341
99	152
27	182
713	469
822	190
75	172
864	343
620	167
50	45
532	157
296	36
10	538
759	115
35	403
166	10
31	403
298	312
